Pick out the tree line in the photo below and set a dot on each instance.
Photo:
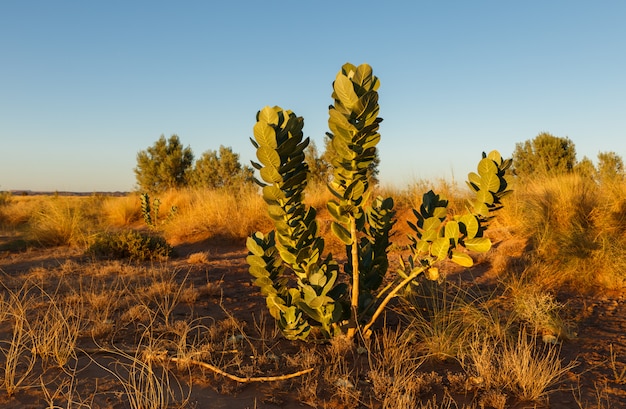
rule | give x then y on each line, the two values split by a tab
167	164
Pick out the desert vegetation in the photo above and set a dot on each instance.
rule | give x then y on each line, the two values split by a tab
204	289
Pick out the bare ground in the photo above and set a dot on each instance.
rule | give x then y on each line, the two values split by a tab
599	347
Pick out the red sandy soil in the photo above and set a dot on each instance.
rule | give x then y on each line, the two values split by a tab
600	322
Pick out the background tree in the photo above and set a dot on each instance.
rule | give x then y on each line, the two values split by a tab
585	168
220	169
164	165
610	167
545	155
319	168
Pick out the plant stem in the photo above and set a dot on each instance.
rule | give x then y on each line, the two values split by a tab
389	297
354	301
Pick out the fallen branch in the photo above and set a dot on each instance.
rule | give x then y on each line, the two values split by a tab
163	357
238	378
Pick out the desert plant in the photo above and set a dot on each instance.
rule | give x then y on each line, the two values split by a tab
130	244
150	211
319	299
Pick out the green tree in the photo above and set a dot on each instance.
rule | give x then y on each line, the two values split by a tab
546	154
585	168
164	165
319	168
220	169
610	167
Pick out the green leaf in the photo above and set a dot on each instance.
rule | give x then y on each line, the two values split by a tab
490	182
355	190
273	194
258	272
336	211
254	247
342	233
484	196
495	156
268	156
254	260
474	179
471	225
462	259
452	230
431	224
486	167
345	91
270	175
269	114
478	244
481	208
265	135
440	248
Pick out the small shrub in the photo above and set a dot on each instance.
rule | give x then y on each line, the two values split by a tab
58	223
131	244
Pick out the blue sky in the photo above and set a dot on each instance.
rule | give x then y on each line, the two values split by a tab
86	85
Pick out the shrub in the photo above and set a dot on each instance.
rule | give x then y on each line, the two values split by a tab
58	222
321	301
131	244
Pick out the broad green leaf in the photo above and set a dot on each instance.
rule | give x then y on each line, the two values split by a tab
308	293
265	135
462	259
432	224
481	208
342	233
269	114
452	230
345	91
254	247
264	281
440	248
268	156
254	260
363	75
478	244
490	182
441	212
355	190
495	156
336	211
486	167
342	149
484	196
318	279
471	225
273	194
422	246
270	175
474	179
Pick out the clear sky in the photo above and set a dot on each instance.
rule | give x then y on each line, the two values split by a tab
85	85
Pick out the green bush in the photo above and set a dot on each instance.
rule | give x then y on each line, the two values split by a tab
131	244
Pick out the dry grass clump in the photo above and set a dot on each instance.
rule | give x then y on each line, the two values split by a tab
394	370
203	214
59	222
122	211
198	258
574	229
